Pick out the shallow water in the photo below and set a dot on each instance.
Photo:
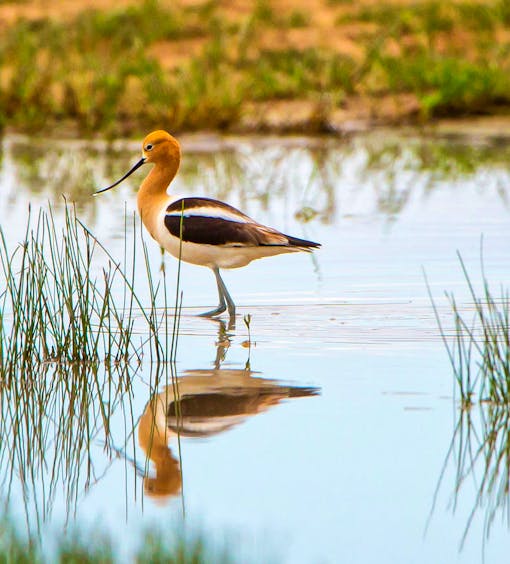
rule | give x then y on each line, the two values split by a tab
333	445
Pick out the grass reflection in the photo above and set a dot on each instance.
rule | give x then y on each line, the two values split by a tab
479	457
52	419
319	179
400	168
174	545
73	335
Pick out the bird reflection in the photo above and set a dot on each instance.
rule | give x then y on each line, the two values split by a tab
202	403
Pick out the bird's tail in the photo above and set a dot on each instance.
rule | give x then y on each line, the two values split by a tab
302	243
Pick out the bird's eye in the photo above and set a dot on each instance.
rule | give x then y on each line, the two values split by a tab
148	147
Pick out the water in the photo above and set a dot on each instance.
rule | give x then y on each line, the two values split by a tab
355	465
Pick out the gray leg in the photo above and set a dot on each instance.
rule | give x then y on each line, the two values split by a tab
221	306
230	302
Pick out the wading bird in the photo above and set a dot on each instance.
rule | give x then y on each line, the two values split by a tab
200	230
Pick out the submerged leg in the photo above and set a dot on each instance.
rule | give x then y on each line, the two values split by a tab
221	306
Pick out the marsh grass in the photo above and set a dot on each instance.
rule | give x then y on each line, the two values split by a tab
447	79
53	310
59	306
73	336
107	69
479	351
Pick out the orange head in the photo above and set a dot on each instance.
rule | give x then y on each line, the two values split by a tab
158	147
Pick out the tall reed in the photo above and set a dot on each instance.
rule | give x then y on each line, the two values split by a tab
74	333
58	305
479	352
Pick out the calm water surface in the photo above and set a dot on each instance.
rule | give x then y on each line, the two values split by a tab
335	436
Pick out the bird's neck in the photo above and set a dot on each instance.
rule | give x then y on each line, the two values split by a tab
152	195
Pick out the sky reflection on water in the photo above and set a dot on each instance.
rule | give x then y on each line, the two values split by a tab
349	474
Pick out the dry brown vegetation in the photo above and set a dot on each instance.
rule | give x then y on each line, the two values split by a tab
312	65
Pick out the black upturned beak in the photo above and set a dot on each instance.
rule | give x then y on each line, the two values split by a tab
129	173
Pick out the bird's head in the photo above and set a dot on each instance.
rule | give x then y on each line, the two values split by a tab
159	147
